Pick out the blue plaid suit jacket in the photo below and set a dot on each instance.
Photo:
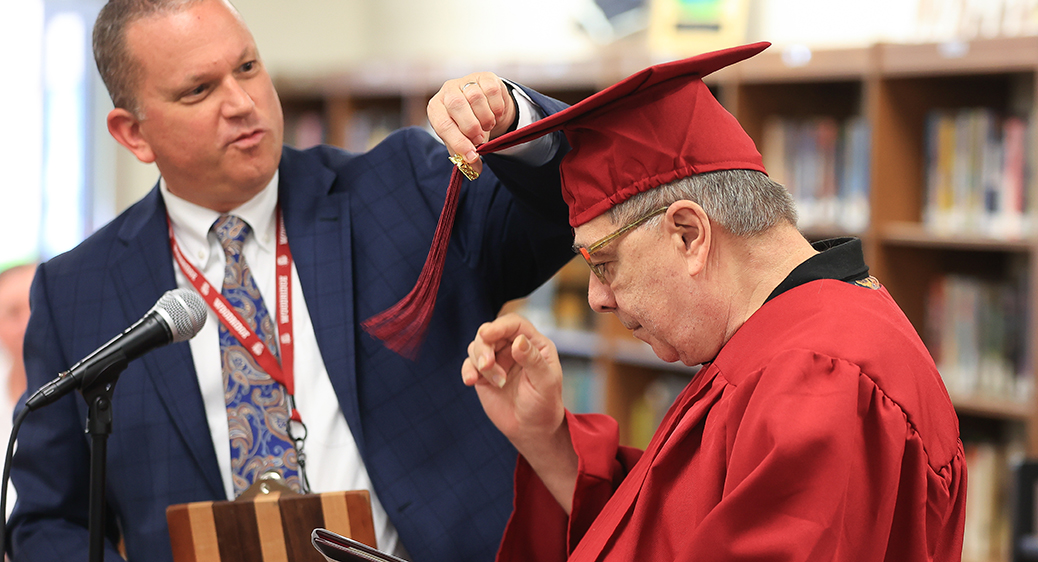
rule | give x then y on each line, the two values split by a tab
359	227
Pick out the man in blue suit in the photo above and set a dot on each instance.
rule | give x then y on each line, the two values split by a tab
191	94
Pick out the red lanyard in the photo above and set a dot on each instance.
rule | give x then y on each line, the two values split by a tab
283	373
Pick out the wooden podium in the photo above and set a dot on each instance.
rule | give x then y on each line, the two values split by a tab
267	527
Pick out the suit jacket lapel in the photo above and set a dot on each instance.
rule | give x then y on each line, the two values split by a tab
318	226
142	273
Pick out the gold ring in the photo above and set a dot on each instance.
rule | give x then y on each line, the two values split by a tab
467	84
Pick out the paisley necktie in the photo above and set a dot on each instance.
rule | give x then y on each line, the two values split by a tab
257	409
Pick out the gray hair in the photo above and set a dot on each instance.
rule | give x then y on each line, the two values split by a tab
119	68
744	202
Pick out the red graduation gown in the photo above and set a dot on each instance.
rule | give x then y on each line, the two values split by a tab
822	431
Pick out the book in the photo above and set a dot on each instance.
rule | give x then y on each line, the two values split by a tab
975	331
977	170
986	533
582	386
824	164
648	410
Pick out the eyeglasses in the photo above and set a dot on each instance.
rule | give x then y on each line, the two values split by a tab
599	268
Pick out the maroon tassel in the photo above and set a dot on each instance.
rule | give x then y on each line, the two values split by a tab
402	327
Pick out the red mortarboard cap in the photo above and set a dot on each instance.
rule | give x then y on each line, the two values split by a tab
656	126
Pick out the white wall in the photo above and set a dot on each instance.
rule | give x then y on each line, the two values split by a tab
21	128
833	23
309	36
477	31
314	37
323	35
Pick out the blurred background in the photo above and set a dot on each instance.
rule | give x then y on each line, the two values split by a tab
65	177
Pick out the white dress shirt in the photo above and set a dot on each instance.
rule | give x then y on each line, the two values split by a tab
333	461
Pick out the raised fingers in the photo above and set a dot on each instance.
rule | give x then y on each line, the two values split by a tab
468	111
489	353
483	362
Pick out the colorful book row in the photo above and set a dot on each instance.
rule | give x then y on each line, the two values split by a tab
824	163
978	168
975	330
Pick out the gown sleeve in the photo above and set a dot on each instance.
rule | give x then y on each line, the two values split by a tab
539	528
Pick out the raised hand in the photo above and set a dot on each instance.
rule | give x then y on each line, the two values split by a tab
516	372
469	111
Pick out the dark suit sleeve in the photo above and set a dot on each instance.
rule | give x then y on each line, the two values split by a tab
449	500
539	188
527	236
51	468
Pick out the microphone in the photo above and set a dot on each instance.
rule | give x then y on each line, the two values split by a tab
176	317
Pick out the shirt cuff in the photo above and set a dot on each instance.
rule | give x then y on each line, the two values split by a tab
536	152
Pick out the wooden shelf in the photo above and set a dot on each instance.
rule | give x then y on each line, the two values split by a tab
575	343
366	80
992	408
387	79
918	236
1017	54
801	64
636	353
624	351
815	233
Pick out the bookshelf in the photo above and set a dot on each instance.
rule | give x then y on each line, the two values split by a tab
897	90
894	90
803	114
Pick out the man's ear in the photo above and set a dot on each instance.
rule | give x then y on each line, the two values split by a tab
126	129
688	226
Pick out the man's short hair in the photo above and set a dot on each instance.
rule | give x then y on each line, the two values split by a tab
120	70
744	202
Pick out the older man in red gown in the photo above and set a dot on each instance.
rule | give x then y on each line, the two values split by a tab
818	427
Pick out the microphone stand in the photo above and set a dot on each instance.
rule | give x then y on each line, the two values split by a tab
98	394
